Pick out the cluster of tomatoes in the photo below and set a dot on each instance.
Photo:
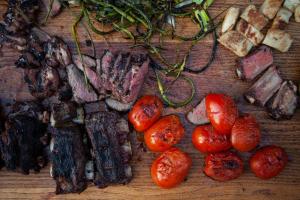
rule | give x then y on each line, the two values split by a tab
227	130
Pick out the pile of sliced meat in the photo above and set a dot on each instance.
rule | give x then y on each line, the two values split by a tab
270	90
70	123
118	77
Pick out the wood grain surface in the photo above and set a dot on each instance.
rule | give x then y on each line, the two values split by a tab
220	77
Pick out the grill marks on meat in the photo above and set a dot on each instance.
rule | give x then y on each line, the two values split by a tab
68	160
249	67
118	76
42	82
109	135
23	141
283	105
82	92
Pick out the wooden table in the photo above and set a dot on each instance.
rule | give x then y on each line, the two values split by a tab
220	77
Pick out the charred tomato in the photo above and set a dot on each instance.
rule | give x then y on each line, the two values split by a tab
223	166
170	168
221	111
207	140
165	133
245	133
145	112
268	162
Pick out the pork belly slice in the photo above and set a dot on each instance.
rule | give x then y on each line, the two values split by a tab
250	32
68	160
230	19
297	13
284	103
24	140
42	82
270	7
265	87
278	39
109	135
291	4
254	17
282	19
249	67
236	42
82	91
89	68
198	114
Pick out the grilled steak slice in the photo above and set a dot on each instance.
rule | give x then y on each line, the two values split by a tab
104	68
68	160
117	105
198	114
42	82
57	53
133	81
249	67
23	142
109	135
92	76
283	105
82	92
265	87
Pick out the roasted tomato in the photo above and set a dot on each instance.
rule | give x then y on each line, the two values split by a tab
223	166
145	112
245	133
221	111
206	139
166	132
268	162
170	168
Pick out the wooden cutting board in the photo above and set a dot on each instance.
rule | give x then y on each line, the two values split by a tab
220	77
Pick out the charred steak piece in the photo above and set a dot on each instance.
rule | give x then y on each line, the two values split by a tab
24	140
130	86
283	105
89	68
57	53
265	87
94	107
82	91
68	160
249	67
62	114
109	135
42	82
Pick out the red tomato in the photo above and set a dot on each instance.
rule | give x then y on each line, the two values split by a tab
245	133
223	166
221	111
145	112
170	168
207	140
164	133
268	162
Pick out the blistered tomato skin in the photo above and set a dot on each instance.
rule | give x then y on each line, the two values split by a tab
207	140
223	166
268	162
221	111
145	112
163	134
245	133
170	168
